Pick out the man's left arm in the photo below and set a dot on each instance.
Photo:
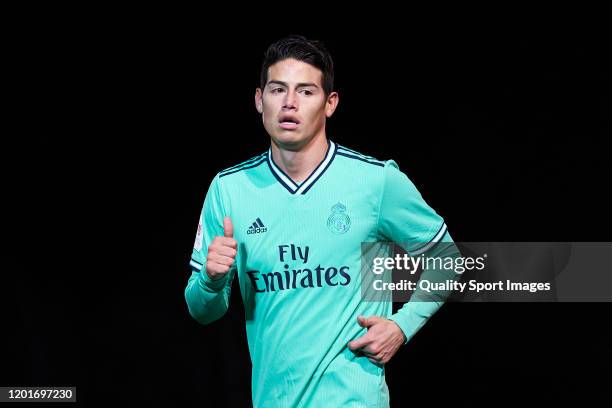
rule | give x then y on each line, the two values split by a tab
406	219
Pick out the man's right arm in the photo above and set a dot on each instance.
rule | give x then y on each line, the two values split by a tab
212	261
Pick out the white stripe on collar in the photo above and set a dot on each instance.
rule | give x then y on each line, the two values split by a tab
300	188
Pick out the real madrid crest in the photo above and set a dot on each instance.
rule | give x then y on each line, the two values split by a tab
338	222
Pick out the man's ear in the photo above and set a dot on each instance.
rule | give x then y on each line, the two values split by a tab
259	100
332	102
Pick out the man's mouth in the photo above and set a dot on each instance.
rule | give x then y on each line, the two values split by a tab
288	122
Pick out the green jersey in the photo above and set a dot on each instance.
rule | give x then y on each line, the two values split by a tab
298	266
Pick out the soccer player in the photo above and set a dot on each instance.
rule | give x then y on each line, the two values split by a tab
290	223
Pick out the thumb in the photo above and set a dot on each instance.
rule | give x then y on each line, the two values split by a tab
228	228
368	321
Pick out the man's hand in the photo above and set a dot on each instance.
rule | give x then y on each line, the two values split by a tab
381	342
222	252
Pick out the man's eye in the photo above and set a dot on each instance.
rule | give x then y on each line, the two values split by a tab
277	90
307	92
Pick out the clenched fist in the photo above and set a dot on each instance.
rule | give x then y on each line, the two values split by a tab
222	252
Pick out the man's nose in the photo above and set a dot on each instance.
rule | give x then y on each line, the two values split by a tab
290	101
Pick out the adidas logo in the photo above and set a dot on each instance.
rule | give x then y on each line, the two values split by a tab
257	227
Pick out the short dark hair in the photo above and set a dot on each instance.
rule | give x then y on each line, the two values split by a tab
298	47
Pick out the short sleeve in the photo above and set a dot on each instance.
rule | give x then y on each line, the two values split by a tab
210	225
404	217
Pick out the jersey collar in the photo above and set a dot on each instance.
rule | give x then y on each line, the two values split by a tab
303	187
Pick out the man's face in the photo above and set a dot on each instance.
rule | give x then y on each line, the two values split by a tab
293	104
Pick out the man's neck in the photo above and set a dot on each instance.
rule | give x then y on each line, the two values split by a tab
300	163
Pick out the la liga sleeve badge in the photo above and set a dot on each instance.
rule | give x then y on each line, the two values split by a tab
197	245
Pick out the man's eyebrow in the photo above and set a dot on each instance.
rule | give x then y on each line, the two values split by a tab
299	85
304	84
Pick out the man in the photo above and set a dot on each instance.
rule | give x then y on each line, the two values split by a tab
290	223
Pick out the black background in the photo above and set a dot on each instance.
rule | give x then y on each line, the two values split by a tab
120	127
